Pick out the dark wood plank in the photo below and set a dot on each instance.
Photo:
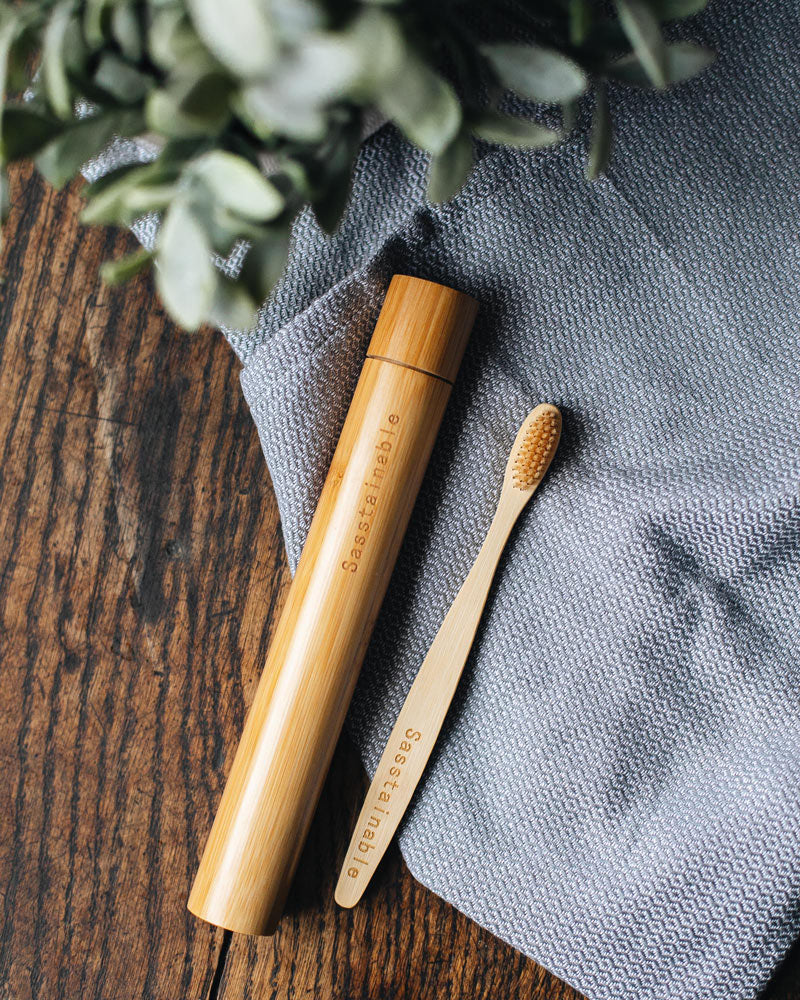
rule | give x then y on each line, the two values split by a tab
142	568
140	544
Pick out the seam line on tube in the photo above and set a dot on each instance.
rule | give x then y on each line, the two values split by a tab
403	364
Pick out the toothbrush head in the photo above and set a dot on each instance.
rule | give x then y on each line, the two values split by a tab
534	448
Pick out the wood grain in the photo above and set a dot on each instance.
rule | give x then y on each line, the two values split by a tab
142	567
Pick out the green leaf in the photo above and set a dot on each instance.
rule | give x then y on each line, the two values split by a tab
320	70
121	81
423	105
127	30
62	158
265	263
121	201
225	229
580	21
370	32
449	170
171	40
673	10
163	170
642	28
292	179
185	274
96	20
267	111
569	118
600	143
684	60
16	44
54	69
25	131
325	66
539	74
9	27
176	153
189	108
231	306
687	59
114	272
145	199
238	185
241	35
294	96
496	127
205	96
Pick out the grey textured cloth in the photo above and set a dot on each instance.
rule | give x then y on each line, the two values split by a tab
616	791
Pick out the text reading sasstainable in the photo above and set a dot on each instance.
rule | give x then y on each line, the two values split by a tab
370	499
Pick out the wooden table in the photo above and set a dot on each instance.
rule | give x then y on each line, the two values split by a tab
142	568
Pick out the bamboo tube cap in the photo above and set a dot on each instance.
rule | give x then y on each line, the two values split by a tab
423	325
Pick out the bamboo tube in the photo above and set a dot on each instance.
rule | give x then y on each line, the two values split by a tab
322	636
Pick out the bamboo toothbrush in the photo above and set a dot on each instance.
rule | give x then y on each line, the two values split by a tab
425	708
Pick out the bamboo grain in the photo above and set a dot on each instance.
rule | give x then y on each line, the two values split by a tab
322	636
420	720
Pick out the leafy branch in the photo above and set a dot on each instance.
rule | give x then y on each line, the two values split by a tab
255	108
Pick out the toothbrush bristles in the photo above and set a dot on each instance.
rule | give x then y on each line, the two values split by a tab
537	447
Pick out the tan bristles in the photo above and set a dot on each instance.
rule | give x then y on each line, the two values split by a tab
535	450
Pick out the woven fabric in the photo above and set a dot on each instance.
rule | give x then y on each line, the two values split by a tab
616	790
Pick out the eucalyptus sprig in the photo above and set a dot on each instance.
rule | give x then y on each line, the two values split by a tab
252	109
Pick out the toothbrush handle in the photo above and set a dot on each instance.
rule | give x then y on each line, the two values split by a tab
420	721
